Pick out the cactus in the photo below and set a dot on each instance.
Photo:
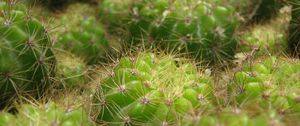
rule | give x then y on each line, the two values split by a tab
273	83
83	35
49	114
203	28
26	59
270	37
293	39
71	69
152	89
264	37
7	118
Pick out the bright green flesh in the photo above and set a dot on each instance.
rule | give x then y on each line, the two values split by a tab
152	90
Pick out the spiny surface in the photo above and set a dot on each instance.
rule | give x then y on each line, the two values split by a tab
271	84
49	114
203	28
26	59
152	89
80	33
72	70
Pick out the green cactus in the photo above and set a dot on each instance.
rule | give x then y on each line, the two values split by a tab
49	114
231	116
293	39
202	28
272	83
71	69
152	89
7	118
270	37
26	59
82	34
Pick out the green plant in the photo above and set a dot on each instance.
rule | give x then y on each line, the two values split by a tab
49	114
27	62
152	89
72	70
81	34
269	37
6	118
203	28
270	84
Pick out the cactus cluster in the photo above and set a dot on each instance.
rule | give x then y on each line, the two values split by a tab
152	89
82	35
149	62
203	28
49	114
27	63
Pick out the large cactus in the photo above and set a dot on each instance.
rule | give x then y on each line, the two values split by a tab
50	114
202	28
152	89
26	59
82	34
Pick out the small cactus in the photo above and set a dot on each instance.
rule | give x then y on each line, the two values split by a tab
203	28
72	70
152	89
82	34
272	83
49	114
26	60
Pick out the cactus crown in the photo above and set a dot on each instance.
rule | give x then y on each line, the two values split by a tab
149	88
84	36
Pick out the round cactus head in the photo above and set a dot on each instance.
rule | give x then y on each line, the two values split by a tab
81	33
204	29
153	89
269	84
